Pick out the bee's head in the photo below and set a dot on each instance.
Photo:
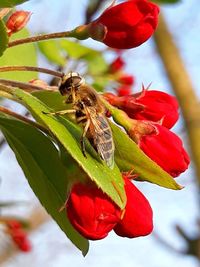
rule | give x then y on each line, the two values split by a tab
69	82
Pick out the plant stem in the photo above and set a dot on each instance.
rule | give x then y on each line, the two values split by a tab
24	119
182	87
25	86
81	32
41	37
119	116
30	68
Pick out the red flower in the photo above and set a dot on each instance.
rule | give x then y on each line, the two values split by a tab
18	235
156	106
126	79
17	21
21	240
166	149
124	90
117	65
128	24
91	212
148	105
138	217
14	224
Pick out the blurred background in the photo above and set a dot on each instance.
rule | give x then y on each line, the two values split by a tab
176	237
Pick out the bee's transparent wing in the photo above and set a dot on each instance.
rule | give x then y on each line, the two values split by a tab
103	139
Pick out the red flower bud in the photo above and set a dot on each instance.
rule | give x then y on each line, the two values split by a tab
128	24
157	106
124	90
149	105
91	212
126	79
17	21
137	220
117	65
13	224
21	240
166	149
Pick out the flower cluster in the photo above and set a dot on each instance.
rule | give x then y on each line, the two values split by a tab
94	215
154	113
18	235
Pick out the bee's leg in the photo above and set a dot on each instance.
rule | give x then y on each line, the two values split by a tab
61	112
82	137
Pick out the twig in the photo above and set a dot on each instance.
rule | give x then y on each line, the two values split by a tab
41	37
166	244
81	32
25	86
24	119
30	68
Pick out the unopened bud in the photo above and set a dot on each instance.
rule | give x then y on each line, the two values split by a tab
124	90
17	21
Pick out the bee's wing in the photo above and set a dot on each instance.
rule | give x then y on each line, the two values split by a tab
102	138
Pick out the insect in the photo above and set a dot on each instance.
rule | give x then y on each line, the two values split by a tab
90	112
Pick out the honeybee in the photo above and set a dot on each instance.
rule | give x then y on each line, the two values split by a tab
90	112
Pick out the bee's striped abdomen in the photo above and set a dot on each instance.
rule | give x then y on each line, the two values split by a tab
104	141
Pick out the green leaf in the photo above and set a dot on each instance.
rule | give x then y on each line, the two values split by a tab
128	157
101	83
110	181
3	37
52	99
11	3
76	50
95	60
20	55
46	174
52	51
96	64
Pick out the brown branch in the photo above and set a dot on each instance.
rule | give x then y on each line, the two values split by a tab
182	87
24	119
25	86
30	68
41	37
81	33
166	244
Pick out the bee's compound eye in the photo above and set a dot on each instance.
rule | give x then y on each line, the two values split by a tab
64	90
76	81
72	80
